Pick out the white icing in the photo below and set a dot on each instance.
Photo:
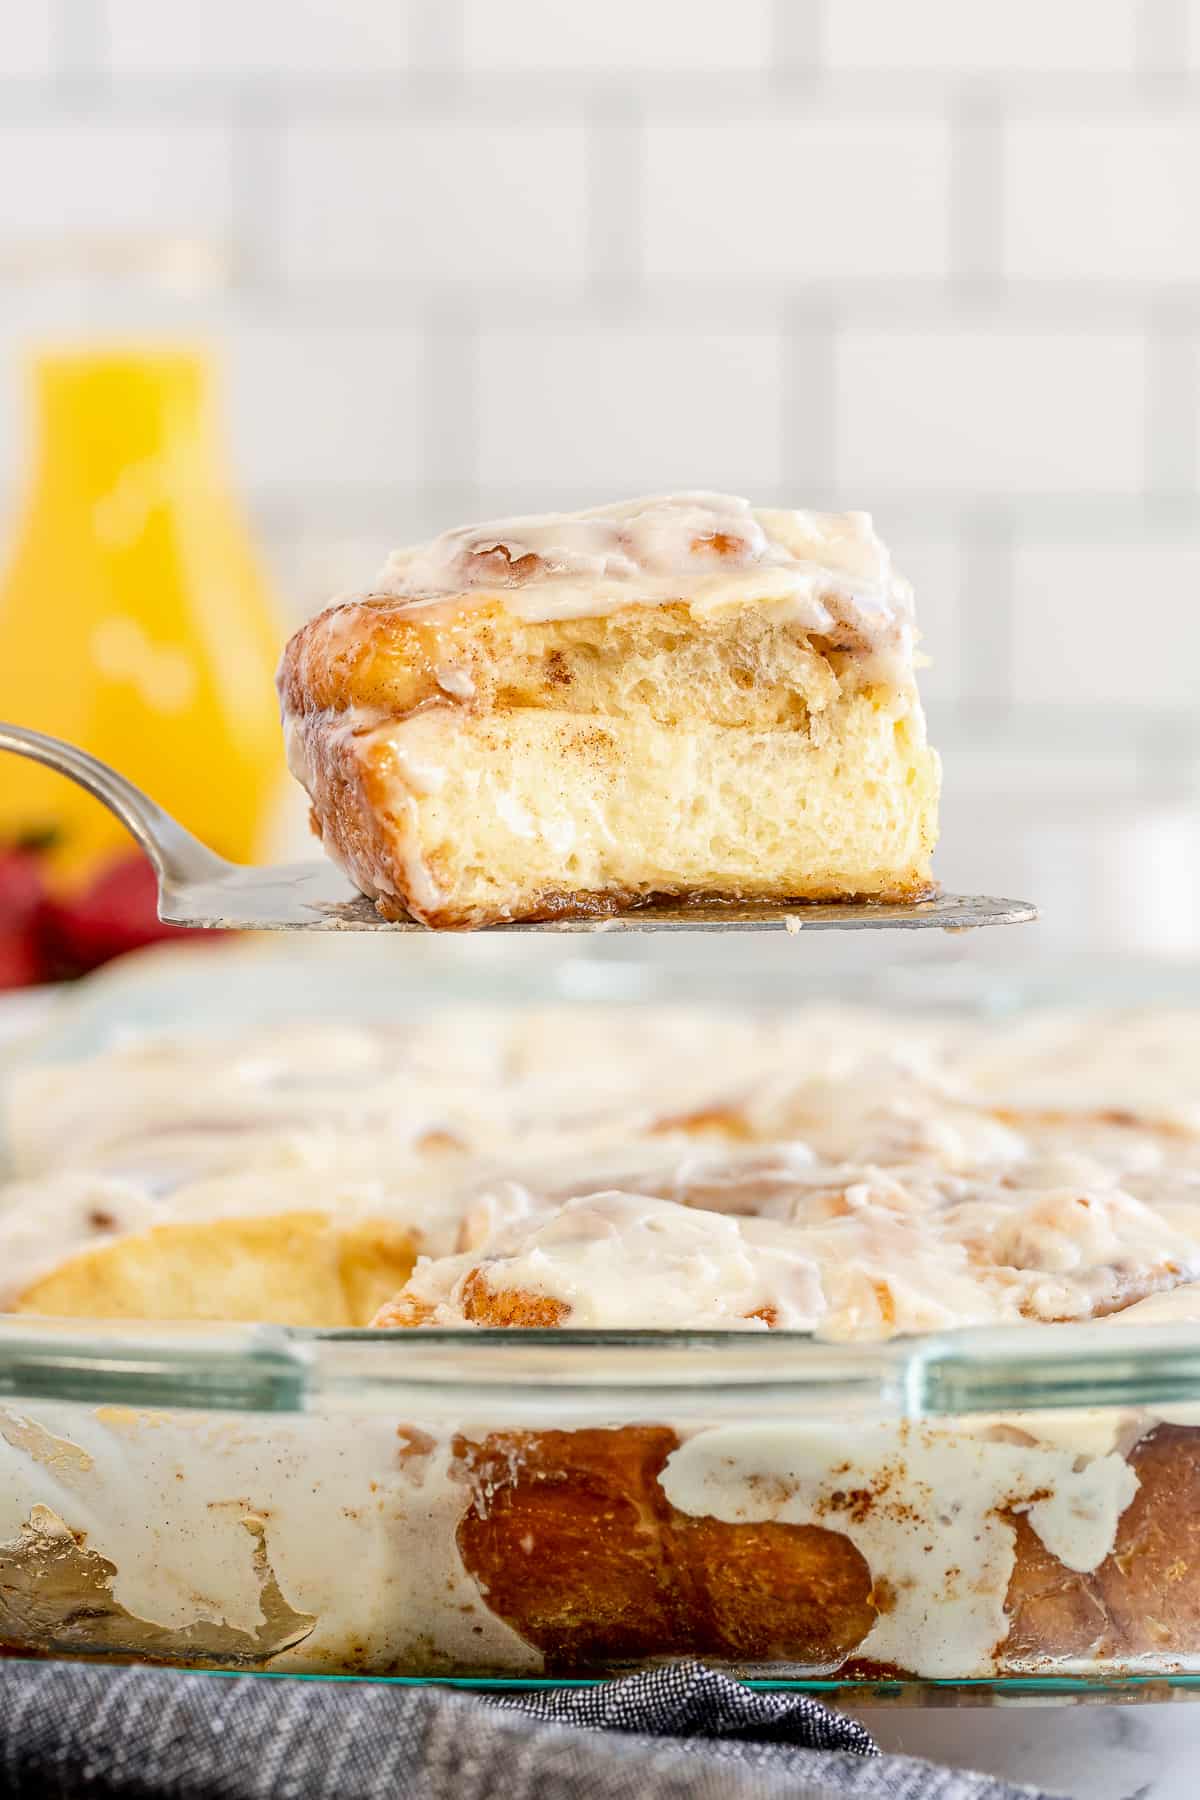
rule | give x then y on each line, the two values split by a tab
418	877
892	1168
357	1535
620	1260
827	572
42	1223
925	1506
417	773
457	683
1177	1306
850	1254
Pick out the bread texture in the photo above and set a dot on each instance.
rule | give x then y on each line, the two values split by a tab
282	1269
653	1582
533	741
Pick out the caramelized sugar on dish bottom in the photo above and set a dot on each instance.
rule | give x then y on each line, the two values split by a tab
557	716
845	1174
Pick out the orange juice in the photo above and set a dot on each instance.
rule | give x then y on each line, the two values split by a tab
134	619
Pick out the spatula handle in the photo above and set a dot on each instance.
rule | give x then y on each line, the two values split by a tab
177	856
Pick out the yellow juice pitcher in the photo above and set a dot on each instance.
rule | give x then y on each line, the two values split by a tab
133	616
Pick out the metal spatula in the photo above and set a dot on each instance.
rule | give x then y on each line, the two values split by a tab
196	887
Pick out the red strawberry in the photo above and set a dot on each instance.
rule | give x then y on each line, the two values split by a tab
116	913
21	898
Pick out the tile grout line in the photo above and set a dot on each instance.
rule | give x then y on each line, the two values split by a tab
439	84
940	516
450	408
975	202
900	304
1162	32
437	37
80	44
1170	423
258	125
797	41
987	639
615	198
808	439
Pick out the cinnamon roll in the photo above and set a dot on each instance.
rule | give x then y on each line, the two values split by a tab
568	715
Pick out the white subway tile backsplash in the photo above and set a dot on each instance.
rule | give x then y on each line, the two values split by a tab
626	411
936	258
1110	200
112	185
1108	624
424	203
322	406
797	199
27	39
469	257
1083	856
313	559
990	411
618	37
1191	33
982	35
16	415
936	572
1016	763
268	37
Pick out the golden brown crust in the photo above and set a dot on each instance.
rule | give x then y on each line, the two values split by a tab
363	653
403	1312
388	661
509	1308
350	812
575	1545
553	903
1144	1599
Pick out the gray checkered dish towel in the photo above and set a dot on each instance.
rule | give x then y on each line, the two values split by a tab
76	1732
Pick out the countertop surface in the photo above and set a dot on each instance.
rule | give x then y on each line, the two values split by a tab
1100	1751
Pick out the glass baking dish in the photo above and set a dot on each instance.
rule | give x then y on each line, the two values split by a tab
979	1514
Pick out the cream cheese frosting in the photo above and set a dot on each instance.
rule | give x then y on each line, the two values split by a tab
828	571
926	1505
844	1173
999	1134
850	1255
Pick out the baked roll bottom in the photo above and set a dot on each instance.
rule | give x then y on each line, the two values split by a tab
577	1546
532	813
368	1542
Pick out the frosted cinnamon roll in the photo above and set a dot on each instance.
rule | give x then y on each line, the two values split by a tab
565	715
288	1247
848	1254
